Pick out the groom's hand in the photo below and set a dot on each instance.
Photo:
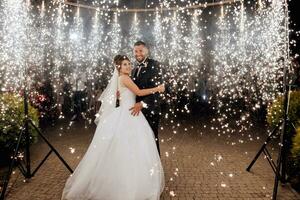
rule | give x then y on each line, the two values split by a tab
136	109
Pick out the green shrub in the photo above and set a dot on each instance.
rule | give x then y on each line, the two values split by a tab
12	119
275	110
296	146
274	116
295	179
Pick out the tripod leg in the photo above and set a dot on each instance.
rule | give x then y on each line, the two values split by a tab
21	168
281	161
11	165
270	160
52	148
263	146
287	145
284	155
277	174
27	150
42	162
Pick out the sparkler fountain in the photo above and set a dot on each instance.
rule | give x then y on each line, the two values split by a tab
14	26
245	48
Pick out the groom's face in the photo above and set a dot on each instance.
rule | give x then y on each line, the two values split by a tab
140	52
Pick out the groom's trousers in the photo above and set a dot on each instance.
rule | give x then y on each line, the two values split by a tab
153	121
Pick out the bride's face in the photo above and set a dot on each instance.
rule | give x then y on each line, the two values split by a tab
125	67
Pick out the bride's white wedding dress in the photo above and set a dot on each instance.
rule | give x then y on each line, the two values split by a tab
122	161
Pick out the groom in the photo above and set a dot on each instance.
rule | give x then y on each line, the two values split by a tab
147	74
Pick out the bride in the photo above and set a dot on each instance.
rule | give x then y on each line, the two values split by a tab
122	161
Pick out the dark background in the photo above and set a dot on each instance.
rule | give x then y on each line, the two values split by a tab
294	7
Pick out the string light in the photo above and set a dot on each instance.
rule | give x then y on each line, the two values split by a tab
164	6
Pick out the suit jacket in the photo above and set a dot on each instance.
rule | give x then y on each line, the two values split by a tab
149	77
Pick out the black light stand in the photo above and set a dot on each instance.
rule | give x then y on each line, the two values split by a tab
280	129
26	170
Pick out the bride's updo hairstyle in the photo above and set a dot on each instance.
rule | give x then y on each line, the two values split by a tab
118	59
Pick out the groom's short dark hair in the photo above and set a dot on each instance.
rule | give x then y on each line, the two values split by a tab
138	43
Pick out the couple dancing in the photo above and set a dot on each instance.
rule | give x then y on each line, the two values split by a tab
122	161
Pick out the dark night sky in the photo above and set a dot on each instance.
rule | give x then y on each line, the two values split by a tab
294	7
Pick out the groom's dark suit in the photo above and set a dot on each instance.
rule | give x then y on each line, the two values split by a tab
149	76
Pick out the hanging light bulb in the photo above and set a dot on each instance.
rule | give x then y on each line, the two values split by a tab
135	17
78	12
116	17
222	12
242	24
43	9
260	5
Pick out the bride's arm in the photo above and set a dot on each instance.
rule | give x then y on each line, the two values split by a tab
126	80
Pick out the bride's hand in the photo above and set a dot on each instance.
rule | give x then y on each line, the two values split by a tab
161	88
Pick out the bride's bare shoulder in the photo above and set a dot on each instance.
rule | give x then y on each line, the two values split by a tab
125	78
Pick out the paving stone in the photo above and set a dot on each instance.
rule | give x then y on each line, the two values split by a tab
197	166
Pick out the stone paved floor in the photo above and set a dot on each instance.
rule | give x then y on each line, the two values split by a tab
198	164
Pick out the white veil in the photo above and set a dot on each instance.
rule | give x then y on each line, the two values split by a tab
108	98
